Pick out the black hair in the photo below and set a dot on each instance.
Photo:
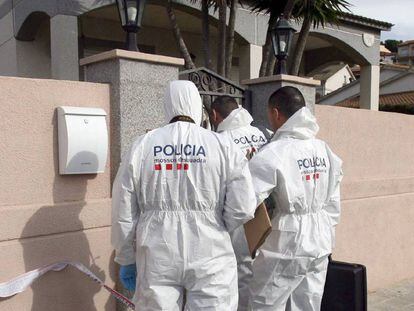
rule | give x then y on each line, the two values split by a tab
287	100
224	105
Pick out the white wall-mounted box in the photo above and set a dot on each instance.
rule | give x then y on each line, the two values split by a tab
83	140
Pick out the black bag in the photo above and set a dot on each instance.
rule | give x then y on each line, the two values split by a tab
345	287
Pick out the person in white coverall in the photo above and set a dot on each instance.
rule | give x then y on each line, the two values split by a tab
178	193
234	122
302	175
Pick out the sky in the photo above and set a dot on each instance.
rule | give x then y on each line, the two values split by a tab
398	12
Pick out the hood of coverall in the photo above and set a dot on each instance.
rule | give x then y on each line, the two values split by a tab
237	118
302	125
182	99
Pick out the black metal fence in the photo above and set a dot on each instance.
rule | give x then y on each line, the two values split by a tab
210	85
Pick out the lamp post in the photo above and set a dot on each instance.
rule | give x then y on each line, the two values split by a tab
130	14
282	35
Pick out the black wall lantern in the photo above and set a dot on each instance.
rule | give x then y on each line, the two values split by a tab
130	14
282	35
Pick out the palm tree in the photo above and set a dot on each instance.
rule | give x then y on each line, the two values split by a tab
205	25
226	35
316	13
221	47
274	9
189	64
234	5
288	9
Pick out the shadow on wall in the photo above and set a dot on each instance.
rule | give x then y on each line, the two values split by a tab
54	233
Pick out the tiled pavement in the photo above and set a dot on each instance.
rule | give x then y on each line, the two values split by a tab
398	298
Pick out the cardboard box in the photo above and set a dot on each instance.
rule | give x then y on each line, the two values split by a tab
257	229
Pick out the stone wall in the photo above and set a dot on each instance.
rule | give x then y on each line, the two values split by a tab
262	88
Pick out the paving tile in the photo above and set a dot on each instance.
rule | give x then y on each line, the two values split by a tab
397	298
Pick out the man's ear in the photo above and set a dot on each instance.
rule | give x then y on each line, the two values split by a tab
275	112
213	114
214	118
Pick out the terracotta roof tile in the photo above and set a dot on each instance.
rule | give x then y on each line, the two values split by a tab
390	100
406	43
363	19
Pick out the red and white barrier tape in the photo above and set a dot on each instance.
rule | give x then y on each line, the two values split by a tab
22	282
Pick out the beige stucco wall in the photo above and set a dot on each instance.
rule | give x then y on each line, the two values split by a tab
46	217
378	190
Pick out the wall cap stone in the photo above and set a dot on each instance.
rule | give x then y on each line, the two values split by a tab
138	56
283	78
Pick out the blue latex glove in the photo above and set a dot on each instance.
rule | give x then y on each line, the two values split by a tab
128	276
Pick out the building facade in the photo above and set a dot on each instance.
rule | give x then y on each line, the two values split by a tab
394	79
406	53
46	39
387	57
332	77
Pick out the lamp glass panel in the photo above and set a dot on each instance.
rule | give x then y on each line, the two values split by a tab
141	4
283	41
275	43
121	10
132	11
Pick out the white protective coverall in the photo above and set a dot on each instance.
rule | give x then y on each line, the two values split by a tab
237	127
249	139
178	192
302	175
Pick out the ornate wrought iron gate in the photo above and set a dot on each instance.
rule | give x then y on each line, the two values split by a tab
210	85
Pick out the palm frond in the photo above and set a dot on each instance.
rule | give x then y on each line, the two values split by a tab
321	12
214	3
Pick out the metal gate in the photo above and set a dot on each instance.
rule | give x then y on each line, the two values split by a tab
211	85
